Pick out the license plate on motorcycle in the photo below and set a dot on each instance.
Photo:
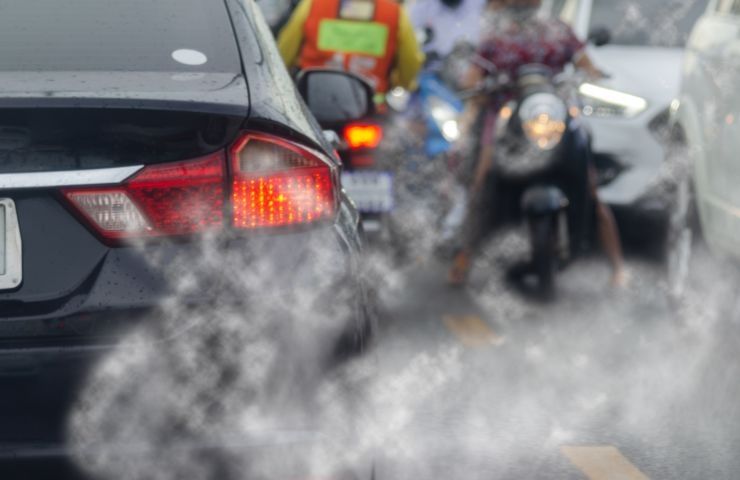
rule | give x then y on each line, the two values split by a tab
372	192
10	246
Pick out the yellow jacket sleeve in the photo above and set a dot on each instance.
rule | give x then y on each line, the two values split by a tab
409	57
290	39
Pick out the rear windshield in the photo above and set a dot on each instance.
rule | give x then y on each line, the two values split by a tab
38	140
117	35
655	23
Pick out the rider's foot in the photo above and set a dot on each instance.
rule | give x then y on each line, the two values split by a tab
458	275
621	279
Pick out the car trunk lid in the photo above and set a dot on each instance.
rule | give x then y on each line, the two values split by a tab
45	150
200	92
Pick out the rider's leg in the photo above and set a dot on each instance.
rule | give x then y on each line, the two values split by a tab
609	235
476	219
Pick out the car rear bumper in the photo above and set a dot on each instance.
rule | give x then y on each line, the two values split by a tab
35	426
285	454
137	284
307	286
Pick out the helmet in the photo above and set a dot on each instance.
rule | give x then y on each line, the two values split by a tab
452	3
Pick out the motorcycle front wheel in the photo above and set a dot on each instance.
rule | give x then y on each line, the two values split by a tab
544	240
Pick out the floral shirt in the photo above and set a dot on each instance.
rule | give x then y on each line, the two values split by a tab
509	44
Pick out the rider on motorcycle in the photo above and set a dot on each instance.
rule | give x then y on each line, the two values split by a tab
447	23
371	38
517	36
446	26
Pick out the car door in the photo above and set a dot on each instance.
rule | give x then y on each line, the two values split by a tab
727	165
712	70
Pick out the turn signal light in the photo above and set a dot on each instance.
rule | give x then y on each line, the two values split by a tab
277	183
363	136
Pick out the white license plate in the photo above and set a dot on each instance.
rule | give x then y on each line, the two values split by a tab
10	246
372	192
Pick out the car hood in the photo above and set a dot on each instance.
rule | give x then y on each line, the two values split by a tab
652	73
217	93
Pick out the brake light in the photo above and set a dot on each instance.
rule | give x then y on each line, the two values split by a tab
171	199
360	136
273	183
277	183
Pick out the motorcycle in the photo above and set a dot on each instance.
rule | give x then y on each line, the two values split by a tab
425	128
436	106
367	177
392	159
540	167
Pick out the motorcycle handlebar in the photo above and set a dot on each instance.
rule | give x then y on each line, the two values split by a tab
495	81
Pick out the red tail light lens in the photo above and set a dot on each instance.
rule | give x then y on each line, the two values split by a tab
277	183
171	199
274	183
363	136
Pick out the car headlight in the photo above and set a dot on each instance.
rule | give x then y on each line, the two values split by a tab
543	117
605	102
445	117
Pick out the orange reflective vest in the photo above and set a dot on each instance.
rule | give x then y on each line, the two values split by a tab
366	48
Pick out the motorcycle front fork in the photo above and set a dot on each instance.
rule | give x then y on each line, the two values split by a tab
561	235
563	247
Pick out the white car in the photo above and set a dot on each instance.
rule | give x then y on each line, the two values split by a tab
709	115
629	111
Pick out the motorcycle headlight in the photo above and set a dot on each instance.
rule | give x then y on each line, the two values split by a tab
398	99
543	117
605	102
445	117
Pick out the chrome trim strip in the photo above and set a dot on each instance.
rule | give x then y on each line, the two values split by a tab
13	254
67	178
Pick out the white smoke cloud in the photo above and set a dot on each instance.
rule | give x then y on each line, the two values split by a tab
594	366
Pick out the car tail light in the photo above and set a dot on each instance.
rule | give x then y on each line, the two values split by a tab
277	183
161	200
360	136
273	183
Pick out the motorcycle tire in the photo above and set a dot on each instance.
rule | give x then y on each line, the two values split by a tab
544	254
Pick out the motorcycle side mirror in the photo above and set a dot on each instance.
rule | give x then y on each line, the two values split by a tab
335	96
600	36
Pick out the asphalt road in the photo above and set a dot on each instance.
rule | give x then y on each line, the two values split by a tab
600	384
486	383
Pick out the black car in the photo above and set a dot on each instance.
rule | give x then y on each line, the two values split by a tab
157	162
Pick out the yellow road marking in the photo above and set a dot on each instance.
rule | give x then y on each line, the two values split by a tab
603	463
471	330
